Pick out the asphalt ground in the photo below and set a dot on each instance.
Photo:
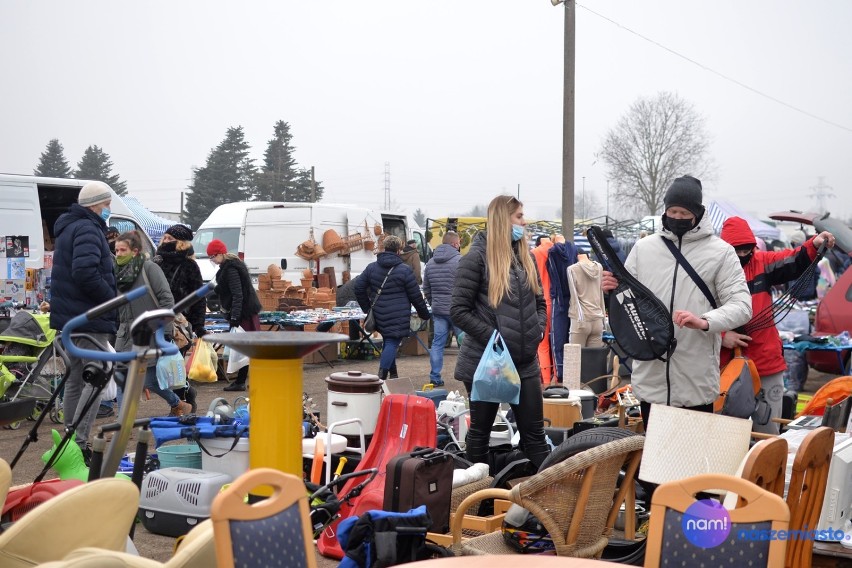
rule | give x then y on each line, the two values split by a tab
413	372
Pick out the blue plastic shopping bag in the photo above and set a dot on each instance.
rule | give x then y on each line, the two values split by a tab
496	378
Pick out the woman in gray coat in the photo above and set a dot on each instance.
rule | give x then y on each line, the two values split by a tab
133	270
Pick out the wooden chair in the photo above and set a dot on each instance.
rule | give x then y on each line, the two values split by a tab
668	544
576	500
807	491
274	531
766	466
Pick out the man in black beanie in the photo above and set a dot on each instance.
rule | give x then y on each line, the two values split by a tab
690	378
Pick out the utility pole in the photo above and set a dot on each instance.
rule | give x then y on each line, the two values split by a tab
568	120
387	186
182	194
585	215
313	187
519	192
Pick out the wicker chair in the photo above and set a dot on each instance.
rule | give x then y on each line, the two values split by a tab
5	480
668	545
576	500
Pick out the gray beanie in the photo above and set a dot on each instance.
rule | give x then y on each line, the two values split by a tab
93	193
685	192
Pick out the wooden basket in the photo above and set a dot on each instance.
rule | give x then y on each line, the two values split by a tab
352	243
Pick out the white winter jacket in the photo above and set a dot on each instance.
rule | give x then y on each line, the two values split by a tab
693	373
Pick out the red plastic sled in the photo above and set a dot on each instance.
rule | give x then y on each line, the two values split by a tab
405	421
21	501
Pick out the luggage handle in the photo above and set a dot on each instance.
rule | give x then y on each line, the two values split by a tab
339	403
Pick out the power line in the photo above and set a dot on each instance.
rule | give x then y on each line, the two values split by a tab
722	75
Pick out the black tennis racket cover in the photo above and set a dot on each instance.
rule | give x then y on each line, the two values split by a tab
640	322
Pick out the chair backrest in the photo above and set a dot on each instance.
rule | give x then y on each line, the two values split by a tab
766	466
96	514
807	491
577	499
670	542
594	363
267	533
5	481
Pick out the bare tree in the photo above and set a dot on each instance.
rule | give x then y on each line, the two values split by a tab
657	140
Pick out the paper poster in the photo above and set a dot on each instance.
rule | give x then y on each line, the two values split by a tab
16	268
17	246
48	260
15	290
2	247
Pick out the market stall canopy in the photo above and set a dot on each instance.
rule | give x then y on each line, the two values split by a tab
152	224
718	211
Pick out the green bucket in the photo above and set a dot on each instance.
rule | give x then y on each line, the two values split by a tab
180	455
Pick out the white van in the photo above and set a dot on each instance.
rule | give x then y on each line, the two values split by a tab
268	232
29	208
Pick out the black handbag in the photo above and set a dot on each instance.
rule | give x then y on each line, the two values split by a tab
370	320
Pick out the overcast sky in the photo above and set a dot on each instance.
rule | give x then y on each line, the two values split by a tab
463	99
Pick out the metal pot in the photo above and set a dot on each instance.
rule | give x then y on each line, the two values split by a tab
354	394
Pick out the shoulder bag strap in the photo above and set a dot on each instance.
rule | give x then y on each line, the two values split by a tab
148	285
379	293
691	271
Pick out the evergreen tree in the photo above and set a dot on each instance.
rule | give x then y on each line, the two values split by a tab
97	165
228	176
420	218
52	162
280	179
278	173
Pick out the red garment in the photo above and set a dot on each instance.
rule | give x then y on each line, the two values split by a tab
764	270
545	357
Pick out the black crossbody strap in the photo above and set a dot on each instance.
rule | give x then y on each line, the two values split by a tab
379	293
691	271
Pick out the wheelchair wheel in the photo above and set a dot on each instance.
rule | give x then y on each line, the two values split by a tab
57	416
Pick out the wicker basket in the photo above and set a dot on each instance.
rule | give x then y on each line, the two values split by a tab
352	243
369	244
274	271
263	282
331	242
377	229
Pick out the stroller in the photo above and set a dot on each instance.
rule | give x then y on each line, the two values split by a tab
32	365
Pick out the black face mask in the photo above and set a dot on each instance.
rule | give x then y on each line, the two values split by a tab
679	227
167	247
746	259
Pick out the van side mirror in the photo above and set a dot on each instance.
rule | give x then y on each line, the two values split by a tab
284	264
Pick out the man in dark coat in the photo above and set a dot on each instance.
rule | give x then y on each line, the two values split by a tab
438	278
389	288
83	278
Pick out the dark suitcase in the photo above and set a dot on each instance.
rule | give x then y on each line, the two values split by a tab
596	422
423	477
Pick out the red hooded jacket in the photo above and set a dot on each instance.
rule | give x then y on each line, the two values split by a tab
764	270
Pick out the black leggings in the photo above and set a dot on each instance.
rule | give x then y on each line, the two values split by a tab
528	416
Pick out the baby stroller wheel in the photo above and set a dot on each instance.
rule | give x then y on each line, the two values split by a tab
57	416
14	425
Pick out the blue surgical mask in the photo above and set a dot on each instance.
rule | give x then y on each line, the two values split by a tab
517	232
105	213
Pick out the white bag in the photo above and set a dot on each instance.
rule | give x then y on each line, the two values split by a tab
236	360
110	391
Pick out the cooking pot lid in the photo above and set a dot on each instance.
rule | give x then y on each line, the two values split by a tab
555	392
353	379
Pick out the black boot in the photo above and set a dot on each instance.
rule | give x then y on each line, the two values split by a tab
191	395
392	371
383	374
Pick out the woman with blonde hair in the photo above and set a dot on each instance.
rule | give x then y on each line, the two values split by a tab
497	287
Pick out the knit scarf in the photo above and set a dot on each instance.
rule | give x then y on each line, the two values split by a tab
126	275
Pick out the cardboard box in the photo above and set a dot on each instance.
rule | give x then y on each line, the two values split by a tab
411	346
330	351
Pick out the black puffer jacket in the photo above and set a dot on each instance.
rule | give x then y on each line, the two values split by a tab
520	317
393	308
184	278
236	293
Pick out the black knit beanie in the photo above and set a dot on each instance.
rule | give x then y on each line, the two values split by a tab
180	232
685	192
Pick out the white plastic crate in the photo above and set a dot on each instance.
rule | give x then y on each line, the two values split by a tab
175	499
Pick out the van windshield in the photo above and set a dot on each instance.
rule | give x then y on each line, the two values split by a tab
229	236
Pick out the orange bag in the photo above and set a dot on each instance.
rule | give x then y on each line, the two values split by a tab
733	387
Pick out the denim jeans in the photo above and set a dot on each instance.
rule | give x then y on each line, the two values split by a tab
390	345
441	326
153	385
